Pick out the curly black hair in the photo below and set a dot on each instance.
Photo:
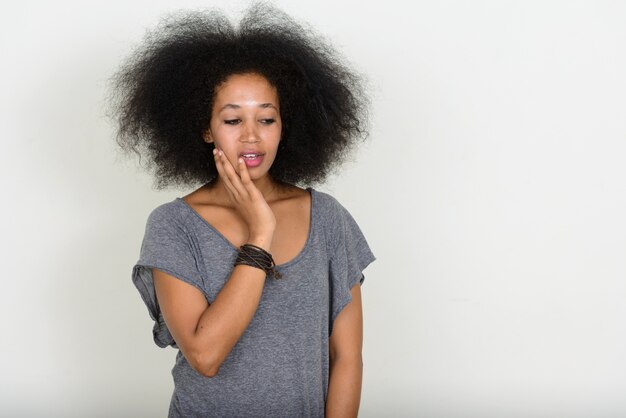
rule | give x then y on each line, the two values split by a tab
161	97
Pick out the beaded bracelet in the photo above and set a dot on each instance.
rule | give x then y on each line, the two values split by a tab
251	255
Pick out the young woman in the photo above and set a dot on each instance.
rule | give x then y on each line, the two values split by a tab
255	281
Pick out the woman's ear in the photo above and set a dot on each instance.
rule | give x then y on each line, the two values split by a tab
207	136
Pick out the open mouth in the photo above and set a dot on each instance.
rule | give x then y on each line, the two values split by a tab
252	160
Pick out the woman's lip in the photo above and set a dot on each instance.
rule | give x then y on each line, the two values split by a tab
251	152
253	162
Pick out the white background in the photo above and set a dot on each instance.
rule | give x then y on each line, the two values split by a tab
492	191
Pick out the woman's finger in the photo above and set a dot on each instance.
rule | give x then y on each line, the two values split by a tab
222	170
246	181
242	191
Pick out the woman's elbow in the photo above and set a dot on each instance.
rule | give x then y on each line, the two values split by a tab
204	363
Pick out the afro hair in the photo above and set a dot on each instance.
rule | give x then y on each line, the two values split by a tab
162	95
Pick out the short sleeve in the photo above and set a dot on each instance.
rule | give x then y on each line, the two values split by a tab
167	247
350	255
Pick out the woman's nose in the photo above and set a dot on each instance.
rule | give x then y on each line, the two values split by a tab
250	133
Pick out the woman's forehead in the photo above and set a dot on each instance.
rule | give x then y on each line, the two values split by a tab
248	89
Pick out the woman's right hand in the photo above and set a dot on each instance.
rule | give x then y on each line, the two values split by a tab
247	199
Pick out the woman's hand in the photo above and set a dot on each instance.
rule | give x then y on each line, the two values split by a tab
246	198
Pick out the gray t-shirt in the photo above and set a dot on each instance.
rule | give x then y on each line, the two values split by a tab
280	365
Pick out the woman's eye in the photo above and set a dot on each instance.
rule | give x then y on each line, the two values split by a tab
268	121
231	121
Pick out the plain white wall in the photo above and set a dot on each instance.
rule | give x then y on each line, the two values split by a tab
492	192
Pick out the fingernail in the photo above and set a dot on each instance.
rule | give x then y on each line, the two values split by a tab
240	160
220	153
214	151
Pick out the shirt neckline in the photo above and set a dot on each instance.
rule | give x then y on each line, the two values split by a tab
230	244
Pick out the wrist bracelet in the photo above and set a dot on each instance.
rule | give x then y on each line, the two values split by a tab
254	256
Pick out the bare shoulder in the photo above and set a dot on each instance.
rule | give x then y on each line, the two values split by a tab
293	198
291	192
200	196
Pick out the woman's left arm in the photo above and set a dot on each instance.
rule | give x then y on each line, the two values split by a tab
346	362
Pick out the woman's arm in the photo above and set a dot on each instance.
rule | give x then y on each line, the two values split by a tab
346	364
207	333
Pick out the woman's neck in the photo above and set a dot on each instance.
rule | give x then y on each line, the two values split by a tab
271	190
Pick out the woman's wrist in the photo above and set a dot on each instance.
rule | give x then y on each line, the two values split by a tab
261	240
255	256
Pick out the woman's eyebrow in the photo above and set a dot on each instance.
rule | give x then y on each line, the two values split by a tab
236	106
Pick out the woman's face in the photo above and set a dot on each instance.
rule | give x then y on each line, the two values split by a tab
245	119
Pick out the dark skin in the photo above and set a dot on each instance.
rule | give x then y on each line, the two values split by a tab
247	205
